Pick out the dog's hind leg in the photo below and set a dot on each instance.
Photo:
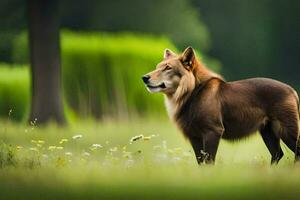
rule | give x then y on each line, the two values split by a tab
289	134
289	137
272	142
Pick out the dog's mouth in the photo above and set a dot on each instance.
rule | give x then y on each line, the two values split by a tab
162	86
156	88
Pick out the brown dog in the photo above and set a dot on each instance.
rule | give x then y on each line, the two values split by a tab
207	108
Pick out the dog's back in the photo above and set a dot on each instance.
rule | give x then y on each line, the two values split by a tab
250	104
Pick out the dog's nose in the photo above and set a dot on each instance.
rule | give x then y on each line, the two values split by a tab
146	78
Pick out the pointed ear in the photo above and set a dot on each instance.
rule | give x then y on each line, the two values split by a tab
168	54
188	57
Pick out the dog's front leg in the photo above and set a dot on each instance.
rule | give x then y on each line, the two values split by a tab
206	146
198	147
211	144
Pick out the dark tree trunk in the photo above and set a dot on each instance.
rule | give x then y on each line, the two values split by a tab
46	102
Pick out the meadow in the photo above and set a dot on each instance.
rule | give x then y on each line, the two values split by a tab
137	159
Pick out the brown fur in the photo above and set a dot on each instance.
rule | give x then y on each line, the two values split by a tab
207	108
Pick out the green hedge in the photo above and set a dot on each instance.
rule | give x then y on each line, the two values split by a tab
102	72
14	91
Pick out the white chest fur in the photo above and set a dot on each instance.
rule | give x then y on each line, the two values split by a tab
171	107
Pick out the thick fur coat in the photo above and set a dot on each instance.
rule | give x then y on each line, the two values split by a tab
207	108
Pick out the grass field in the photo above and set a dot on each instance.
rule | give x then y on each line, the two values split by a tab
90	160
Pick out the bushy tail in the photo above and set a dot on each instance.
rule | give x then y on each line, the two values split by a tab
297	97
298	138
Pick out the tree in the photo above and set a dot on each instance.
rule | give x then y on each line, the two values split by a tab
43	24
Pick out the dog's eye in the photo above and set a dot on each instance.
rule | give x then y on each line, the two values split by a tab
168	68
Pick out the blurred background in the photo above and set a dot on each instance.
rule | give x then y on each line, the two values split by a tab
65	60
79	63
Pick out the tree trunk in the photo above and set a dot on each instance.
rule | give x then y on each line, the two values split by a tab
46	102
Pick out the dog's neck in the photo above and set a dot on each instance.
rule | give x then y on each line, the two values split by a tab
175	101
203	74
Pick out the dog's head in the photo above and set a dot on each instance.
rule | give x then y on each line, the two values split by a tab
174	74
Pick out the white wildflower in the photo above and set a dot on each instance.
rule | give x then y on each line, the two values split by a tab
68	154
113	149
51	148
33	149
97	145
86	153
63	141
76	137
136	138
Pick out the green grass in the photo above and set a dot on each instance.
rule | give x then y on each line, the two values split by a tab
159	167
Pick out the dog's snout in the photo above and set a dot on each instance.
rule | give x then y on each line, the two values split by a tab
146	78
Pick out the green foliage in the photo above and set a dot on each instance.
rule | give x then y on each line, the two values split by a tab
254	38
14	91
179	20
6	45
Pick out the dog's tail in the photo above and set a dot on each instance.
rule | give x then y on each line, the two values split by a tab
298	137
298	111
297	98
